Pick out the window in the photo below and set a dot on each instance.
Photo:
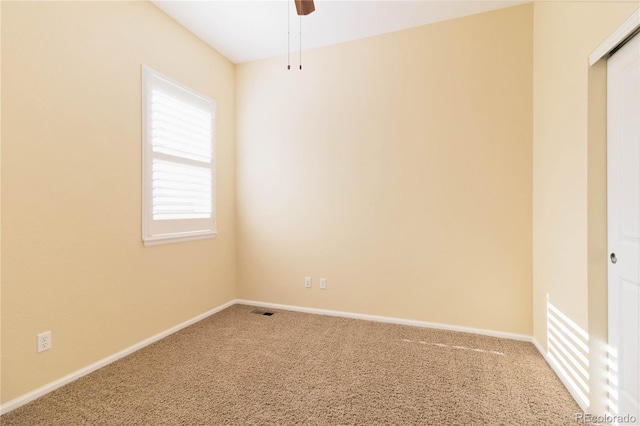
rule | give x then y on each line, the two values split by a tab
178	156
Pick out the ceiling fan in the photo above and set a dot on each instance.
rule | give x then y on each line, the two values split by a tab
304	7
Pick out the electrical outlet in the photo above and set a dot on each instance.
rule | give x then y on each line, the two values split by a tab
44	341
307	282
323	283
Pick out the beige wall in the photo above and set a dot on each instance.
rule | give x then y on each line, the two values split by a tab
72	256
569	172
0	200
399	168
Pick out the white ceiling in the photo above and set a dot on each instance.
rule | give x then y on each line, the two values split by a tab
246	30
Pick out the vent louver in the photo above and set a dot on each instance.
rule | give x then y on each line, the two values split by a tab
261	312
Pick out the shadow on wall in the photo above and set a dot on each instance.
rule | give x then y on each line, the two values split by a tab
612	376
568	351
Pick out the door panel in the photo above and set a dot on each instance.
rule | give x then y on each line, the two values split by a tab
623	194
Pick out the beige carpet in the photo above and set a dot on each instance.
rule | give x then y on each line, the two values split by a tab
239	368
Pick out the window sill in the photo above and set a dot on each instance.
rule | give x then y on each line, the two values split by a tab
173	239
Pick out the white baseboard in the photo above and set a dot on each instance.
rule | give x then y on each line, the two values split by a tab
561	375
49	387
390	320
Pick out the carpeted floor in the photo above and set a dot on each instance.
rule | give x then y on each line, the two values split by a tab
239	368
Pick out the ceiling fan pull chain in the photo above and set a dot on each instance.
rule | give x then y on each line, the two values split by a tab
301	42
288	36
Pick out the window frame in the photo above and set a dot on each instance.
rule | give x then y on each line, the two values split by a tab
157	232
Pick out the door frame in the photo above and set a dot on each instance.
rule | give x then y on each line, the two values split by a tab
620	36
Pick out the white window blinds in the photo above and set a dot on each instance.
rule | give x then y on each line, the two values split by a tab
178	152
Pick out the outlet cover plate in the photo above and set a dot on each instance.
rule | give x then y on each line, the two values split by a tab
44	341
